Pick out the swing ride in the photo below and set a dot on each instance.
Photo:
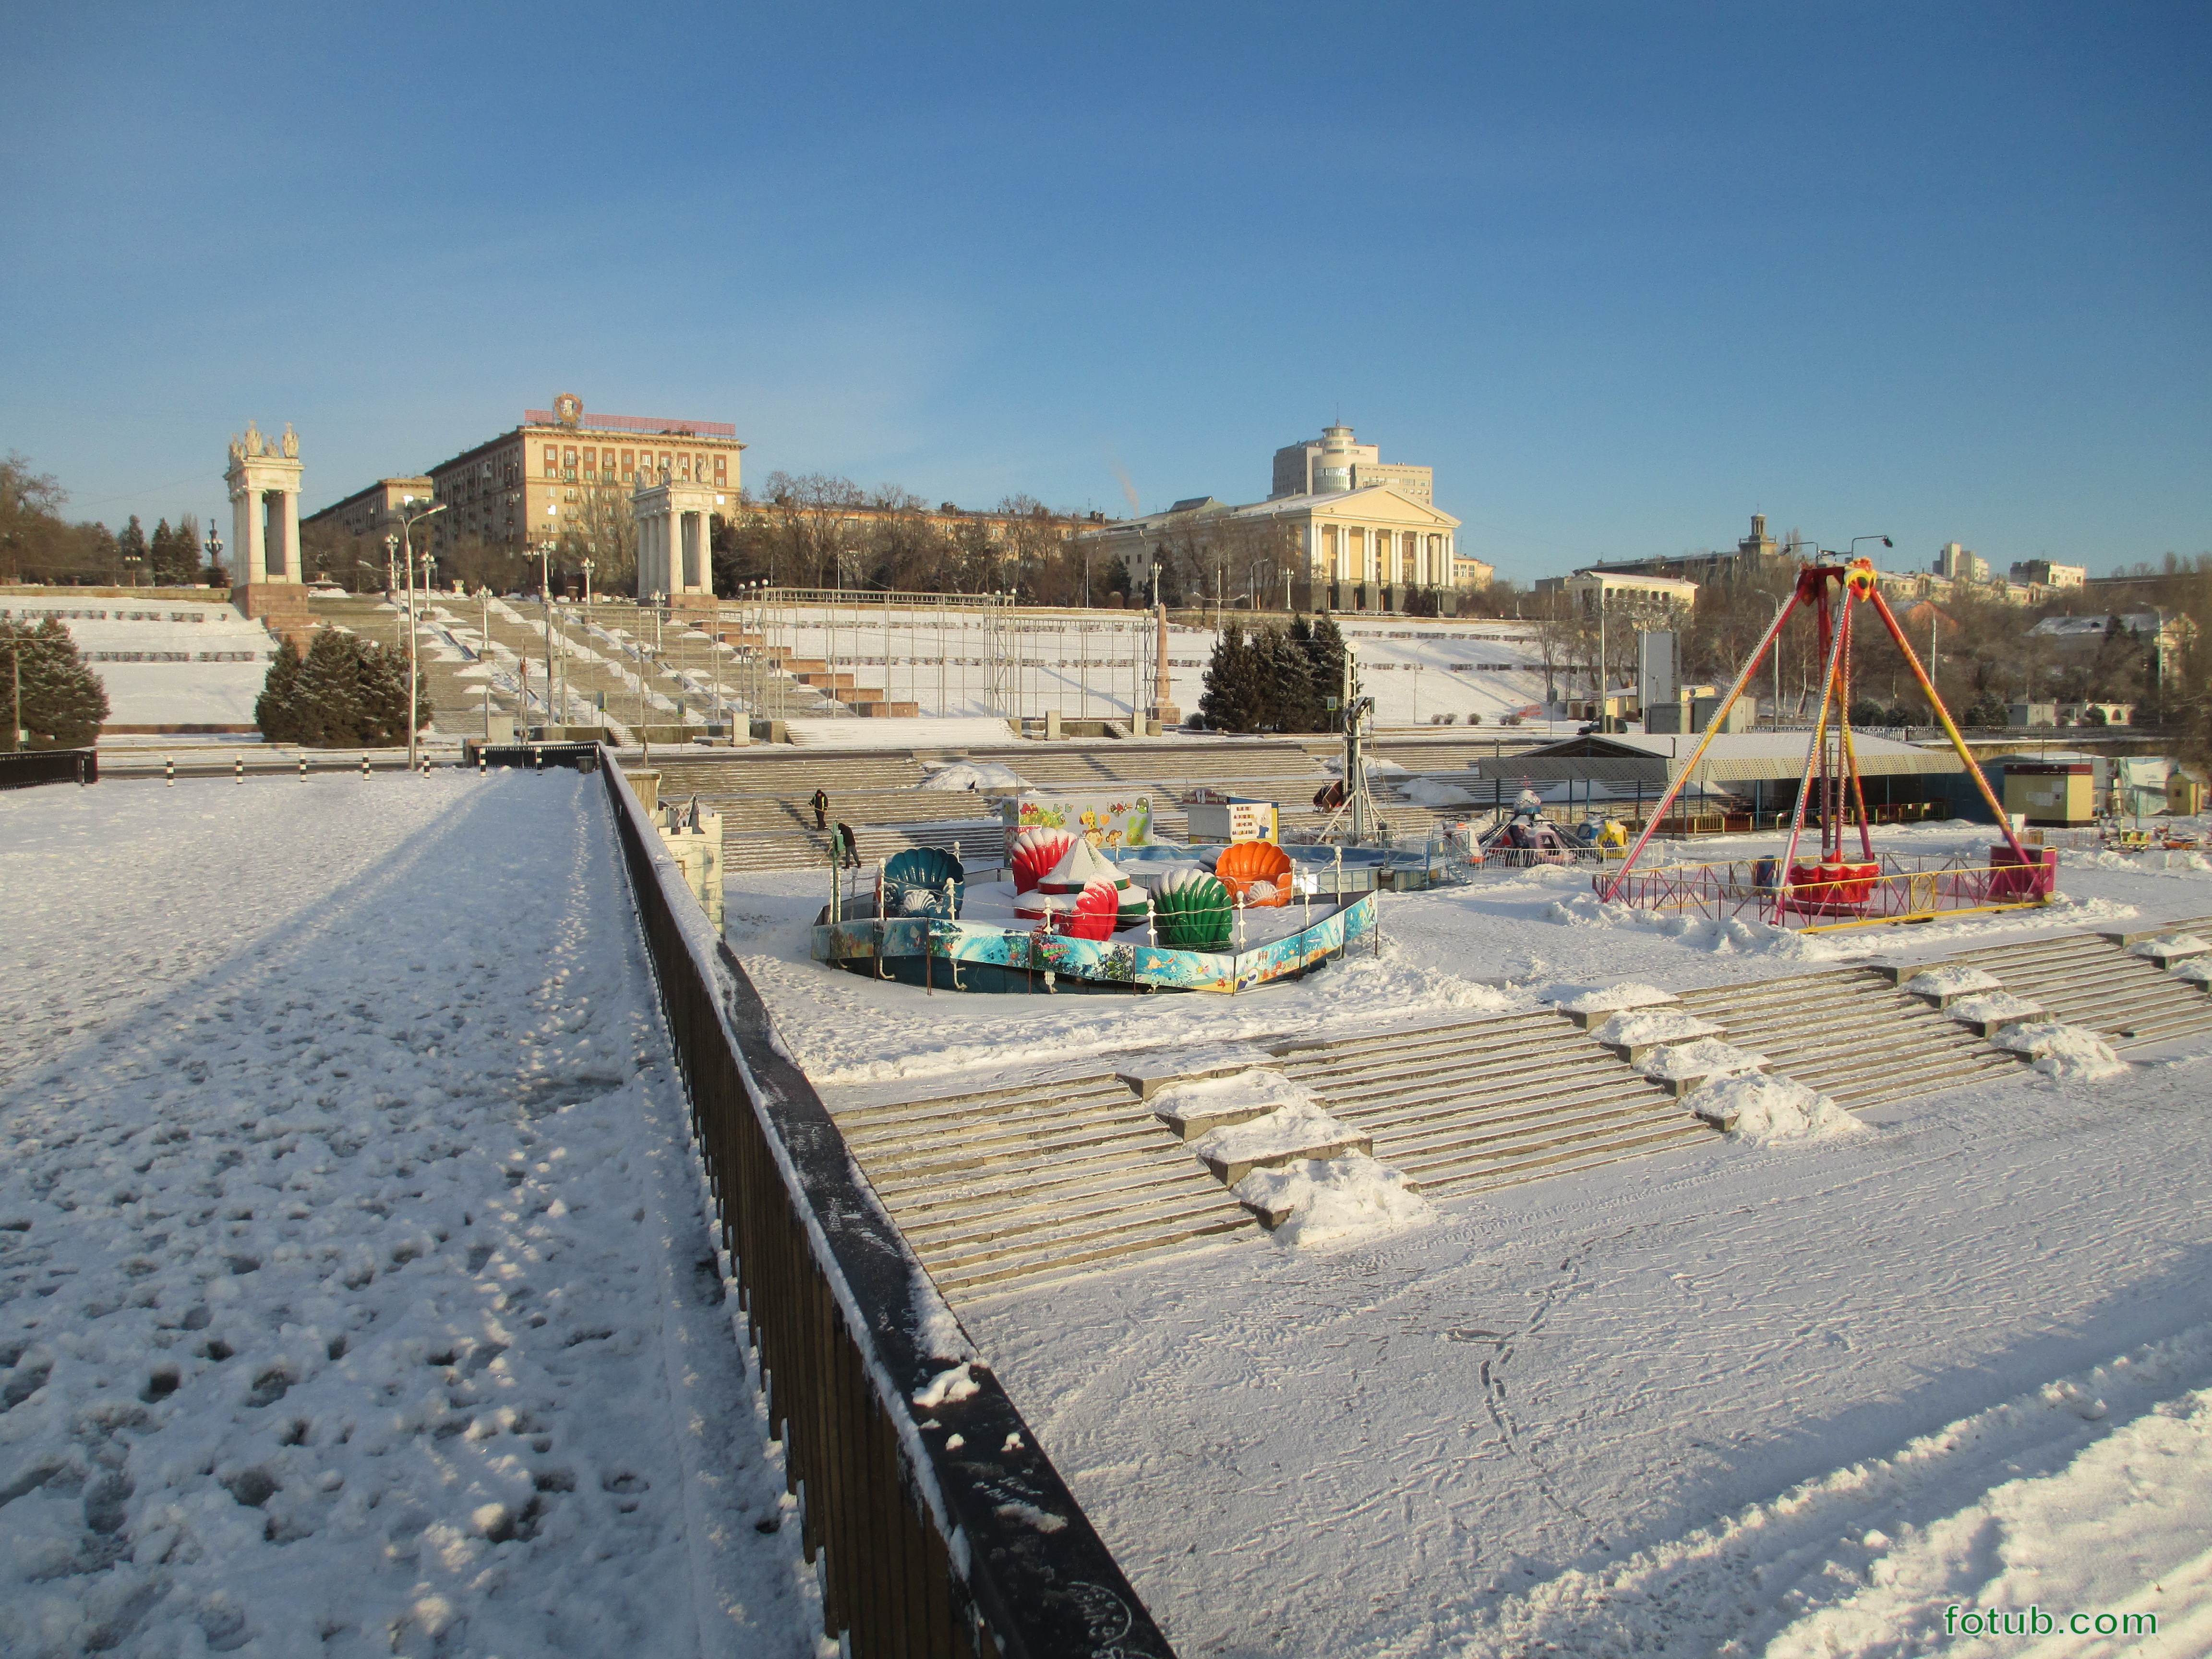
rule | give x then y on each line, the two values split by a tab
1835	890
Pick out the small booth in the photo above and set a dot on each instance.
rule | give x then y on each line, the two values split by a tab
2052	794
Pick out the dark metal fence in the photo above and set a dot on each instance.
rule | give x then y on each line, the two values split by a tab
926	1547
22	769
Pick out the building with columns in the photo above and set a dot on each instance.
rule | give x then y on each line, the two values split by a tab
1350	550
1343	530
675	527
560	468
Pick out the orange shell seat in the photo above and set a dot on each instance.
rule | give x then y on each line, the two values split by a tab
1249	861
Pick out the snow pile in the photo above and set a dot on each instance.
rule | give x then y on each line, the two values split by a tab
1999	1006
1612	999
1704	1058
2170	949
964	775
1766	1111
1953	979
1334	1201
1297	1125
1636	1031
1735	935
1435	791
2197	973
1378	766
2063	1051
1243	1094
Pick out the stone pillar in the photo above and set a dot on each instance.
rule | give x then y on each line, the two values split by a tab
1163	709
263	479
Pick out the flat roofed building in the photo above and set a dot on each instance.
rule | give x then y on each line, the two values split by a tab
564	467
366	511
1335	462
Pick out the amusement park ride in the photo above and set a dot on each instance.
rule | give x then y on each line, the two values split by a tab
1836	890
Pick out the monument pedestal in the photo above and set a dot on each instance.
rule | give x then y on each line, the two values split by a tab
281	607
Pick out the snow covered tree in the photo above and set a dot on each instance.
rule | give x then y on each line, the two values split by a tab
1293	702
62	700
1233	699
347	692
130	544
1325	651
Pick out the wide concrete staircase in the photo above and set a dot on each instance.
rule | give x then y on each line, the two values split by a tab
1010	1186
1491	1103
2092	979
1850	1034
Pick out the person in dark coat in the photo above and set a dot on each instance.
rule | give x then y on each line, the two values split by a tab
821	804
848	847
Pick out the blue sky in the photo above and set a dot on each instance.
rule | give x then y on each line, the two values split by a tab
1622	274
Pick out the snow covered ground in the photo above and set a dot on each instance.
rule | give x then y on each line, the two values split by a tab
1802	1398
355	1294
196	692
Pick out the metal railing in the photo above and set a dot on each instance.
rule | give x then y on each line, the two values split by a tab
20	768
923	1547
1901	890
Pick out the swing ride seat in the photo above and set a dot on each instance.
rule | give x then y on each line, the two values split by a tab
2013	877
1833	887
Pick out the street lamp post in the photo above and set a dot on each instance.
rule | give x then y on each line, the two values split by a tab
588	567
213	549
134	562
407	523
545	599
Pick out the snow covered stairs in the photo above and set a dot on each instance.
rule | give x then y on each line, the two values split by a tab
1491	1103
2099	981
1849	1034
1001	1187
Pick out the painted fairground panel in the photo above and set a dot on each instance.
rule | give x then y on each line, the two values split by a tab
1121	961
1103	820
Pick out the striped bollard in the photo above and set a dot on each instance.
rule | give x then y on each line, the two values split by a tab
238	768
364	764
303	767
169	770
483	764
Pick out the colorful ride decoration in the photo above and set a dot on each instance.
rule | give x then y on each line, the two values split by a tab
1080	868
923	881
1031	853
1193	911
1836	890
1258	872
1094	914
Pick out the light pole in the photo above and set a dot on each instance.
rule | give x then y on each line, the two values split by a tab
407	523
213	549
134	562
588	567
545	600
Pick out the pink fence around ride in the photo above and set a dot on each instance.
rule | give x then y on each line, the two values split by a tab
1907	888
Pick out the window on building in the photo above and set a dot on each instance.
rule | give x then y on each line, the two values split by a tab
721	468
552	460
667	463
629	464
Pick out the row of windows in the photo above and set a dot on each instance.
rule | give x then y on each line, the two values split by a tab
602	464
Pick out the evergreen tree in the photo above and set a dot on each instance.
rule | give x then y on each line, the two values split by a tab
132	544
1325	651
347	692
1291	702
63	700
173	555
1232	699
276	711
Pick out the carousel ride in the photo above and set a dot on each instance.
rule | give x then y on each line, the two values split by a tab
1839	887
1063	914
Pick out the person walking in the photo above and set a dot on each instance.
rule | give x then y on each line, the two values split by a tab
821	805
848	847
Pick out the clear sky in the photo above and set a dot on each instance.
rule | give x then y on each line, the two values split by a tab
1622	274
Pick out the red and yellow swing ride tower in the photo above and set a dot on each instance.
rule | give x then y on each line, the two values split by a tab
1836	889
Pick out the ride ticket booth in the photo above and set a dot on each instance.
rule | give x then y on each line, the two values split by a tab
2052	794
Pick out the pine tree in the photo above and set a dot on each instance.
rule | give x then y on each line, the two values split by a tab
63	700
132	544
1231	700
347	692
1291	702
276	711
1325	651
